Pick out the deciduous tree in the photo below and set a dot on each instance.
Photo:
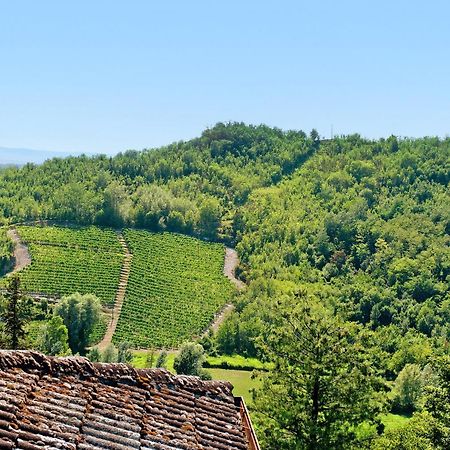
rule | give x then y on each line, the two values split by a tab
80	314
55	338
190	359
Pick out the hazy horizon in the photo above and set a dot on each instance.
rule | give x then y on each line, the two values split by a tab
20	156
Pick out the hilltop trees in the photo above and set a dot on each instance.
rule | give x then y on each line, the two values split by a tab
323	384
189	187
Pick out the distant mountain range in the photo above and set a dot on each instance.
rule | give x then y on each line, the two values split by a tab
20	156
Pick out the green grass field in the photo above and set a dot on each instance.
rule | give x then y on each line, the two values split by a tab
394	421
242	380
176	286
140	359
236	362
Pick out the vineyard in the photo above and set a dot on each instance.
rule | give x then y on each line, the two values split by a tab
86	238
66	260
175	288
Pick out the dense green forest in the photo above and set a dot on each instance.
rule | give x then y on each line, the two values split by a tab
365	227
192	187
344	246
362	228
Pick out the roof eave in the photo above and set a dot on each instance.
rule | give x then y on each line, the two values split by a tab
250	434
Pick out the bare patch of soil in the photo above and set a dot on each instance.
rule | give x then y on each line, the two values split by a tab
22	257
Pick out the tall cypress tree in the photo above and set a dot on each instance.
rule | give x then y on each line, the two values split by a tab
14	315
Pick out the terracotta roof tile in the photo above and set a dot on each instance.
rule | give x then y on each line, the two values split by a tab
71	403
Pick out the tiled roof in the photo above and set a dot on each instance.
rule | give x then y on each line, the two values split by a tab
71	403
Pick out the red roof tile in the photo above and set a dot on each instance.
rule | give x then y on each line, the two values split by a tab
71	403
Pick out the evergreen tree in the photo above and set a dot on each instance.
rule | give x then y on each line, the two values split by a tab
322	386
15	314
314	135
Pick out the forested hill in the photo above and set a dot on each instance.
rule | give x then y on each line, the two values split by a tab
191	187
364	226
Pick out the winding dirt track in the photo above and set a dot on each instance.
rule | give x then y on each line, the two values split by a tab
22	256
229	268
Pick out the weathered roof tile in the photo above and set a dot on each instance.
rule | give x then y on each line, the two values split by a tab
71	403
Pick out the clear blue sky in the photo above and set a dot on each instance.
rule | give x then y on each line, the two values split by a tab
105	76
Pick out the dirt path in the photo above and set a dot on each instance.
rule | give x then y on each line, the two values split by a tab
120	295
229	267
231	262
22	256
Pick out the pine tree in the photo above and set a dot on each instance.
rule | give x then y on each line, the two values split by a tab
14	316
323	384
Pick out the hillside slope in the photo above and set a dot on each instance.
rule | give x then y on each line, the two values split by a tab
191	187
363	225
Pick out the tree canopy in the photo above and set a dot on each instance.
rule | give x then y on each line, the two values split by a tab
324	383
80	313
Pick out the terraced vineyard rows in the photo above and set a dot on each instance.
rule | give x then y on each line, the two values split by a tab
65	260
86	238
175	287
